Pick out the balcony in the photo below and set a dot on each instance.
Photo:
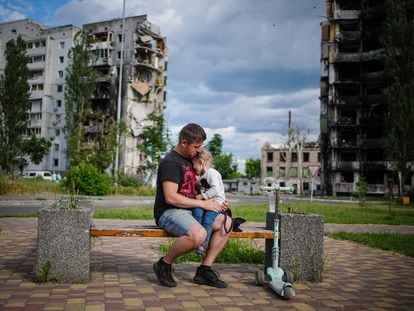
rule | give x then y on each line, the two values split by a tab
349	101
344	187
347	57
103	61
102	46
372	55
374	166
146	64
36	65
377	76
377	189
345	165
352	144
345	122
346	14
374	12
345	36
373	99
373	143
371	122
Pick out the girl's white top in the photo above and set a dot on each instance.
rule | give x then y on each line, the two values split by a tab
216	189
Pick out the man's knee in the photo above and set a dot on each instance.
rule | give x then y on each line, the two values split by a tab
197	234
223	224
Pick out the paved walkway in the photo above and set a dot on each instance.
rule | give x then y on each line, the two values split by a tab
355	278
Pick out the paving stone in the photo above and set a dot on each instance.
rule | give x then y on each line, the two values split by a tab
355	278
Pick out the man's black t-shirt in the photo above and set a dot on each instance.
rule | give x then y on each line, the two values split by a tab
178	169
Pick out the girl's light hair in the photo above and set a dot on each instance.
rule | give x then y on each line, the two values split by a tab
205	156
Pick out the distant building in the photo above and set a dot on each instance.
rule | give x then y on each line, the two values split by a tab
143	82
288	168
352	101
47	49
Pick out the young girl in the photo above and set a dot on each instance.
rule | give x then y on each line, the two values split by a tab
211	186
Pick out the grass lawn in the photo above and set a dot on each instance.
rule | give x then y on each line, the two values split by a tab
395	242
371	213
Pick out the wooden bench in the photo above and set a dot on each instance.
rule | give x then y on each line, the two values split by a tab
143	230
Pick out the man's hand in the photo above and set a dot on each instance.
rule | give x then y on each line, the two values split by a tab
225	205
212	205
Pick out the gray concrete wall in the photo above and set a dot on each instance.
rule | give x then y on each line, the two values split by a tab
63	239
301	245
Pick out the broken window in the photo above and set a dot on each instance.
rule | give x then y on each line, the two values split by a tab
294	157
306	157
348	156
270	157
269	171
347	177
377	155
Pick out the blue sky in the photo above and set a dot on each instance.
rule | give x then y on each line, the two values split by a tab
235	66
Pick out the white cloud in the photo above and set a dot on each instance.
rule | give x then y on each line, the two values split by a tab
237	67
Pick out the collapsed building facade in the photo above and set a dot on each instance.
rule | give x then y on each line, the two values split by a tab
352	101
143	89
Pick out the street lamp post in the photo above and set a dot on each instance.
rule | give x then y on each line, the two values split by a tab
118	106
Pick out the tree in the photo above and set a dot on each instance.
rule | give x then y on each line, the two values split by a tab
398	43
36	148
14	107
215	145
224	163
154	144
252	168
81	82
100	151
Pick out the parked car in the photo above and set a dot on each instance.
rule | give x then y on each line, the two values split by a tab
46	175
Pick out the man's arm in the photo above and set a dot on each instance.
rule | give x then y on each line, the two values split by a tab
172	197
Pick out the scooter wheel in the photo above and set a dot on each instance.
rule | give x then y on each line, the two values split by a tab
289	293
259	277
288	277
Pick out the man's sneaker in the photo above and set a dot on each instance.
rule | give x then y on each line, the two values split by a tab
201	251
207	276
164	274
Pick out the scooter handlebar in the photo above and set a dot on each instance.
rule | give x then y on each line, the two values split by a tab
273	188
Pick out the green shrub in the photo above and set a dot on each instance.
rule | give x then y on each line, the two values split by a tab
4	185
87	179
129	181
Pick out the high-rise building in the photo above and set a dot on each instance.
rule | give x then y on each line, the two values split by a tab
143	89
352	100
47	49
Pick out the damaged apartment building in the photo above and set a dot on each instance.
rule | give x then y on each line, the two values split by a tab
143	88
352	101
143	74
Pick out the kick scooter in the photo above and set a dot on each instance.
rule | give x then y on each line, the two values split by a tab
280	281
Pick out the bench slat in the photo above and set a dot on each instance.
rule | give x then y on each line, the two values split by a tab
153	231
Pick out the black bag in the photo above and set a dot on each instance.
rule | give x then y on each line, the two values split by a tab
236	222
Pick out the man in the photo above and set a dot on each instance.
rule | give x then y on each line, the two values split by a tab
175	199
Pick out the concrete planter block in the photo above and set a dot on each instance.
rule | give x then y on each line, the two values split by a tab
63	240
301	245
